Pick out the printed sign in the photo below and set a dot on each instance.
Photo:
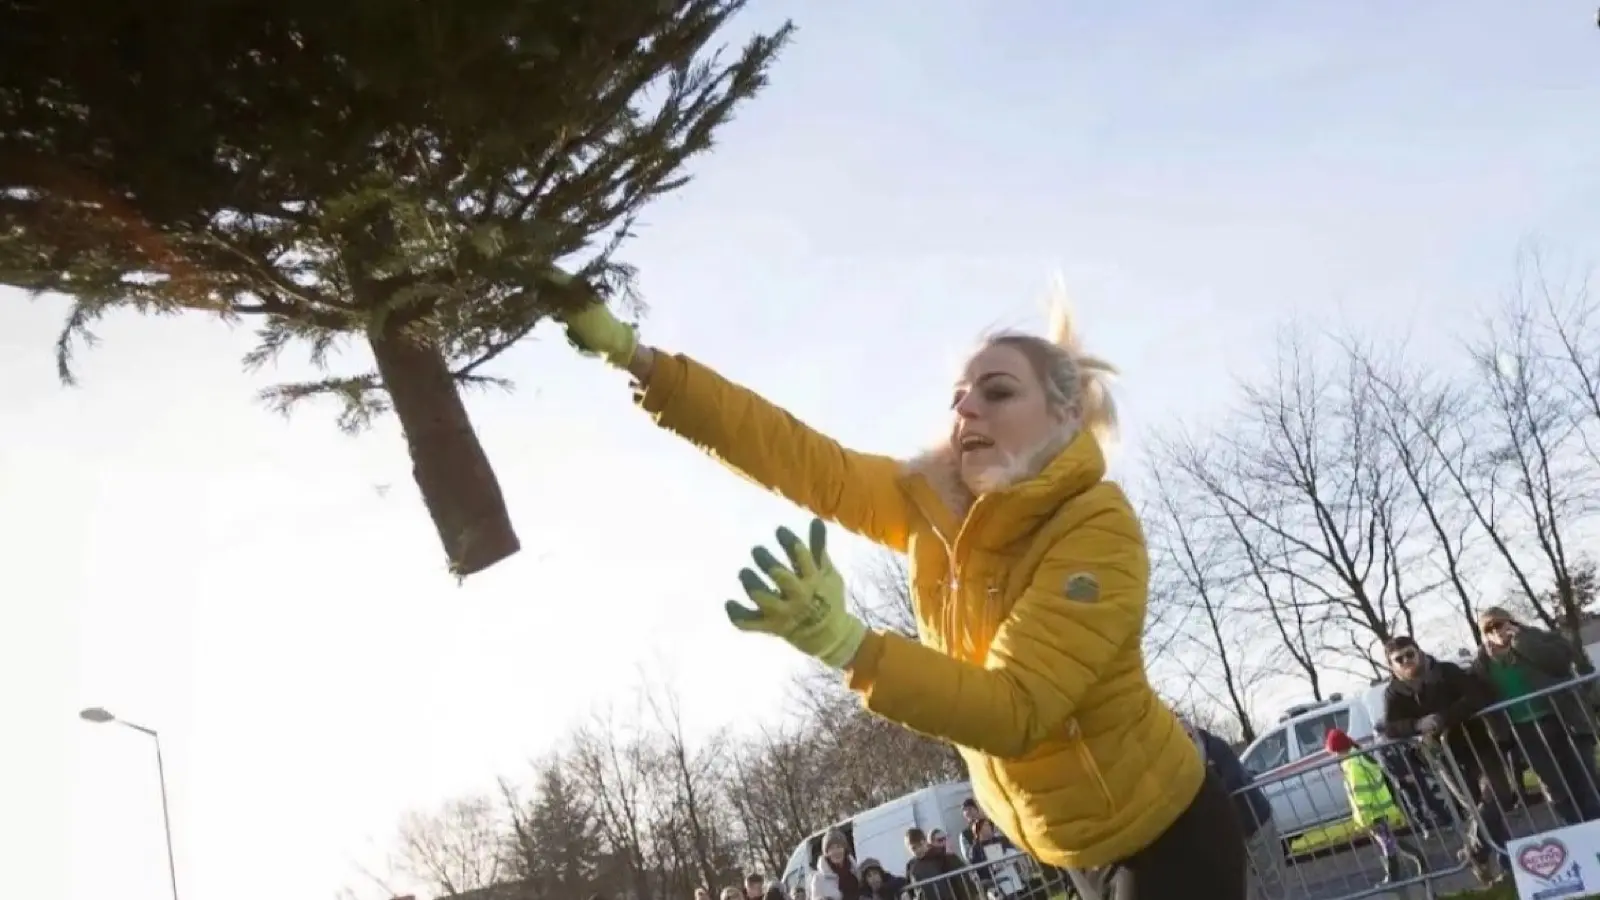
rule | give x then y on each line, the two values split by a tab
1562	864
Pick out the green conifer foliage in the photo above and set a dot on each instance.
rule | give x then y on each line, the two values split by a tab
416	175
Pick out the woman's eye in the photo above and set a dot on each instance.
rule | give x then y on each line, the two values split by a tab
956	400
997	395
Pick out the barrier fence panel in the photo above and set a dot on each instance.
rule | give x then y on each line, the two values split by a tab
1410	818
1013	877
1382	824
1527	765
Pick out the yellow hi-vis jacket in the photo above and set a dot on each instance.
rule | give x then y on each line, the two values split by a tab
1368	792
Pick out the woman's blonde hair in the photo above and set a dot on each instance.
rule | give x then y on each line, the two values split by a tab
1071	377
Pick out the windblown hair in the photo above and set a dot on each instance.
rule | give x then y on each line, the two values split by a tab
1071	377
1075	383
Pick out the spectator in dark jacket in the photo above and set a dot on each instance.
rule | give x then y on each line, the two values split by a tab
1554	731
994	858
936	872
1250	804
970	814
1435	699
876	884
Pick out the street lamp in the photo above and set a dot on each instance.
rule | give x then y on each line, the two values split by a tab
100	716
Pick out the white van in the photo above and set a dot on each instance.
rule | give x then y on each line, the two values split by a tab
880	832
1301	802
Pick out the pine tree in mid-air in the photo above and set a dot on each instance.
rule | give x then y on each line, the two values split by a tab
419	175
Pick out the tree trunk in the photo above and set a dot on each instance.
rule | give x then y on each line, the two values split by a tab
452	471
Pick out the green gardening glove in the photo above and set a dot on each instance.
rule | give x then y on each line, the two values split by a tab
807	609
595	331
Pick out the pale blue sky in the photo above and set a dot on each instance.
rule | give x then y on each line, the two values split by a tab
912	177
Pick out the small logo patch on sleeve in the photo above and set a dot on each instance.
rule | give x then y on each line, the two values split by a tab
1082	587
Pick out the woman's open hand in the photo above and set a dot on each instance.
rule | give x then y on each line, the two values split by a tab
807	607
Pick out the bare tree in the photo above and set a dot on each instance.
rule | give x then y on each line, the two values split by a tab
1305	465
1186	548
776	788
457	849
690	790
1534	449
614	767
1259	551
1210	718
1571	315
1425	420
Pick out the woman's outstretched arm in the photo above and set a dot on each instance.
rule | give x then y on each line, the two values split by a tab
768	445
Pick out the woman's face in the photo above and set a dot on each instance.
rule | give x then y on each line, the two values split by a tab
1002	415
835	854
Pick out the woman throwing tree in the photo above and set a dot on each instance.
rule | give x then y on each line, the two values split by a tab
1030	579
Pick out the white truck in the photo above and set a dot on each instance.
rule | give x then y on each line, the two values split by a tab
880	832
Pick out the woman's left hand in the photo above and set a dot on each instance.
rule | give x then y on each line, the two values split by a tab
807	608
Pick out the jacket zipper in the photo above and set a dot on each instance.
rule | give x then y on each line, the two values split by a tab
1081	747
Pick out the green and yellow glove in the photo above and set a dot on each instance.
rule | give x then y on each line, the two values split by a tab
595	331
807	608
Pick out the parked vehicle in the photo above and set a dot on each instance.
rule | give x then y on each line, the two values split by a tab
1295	745
880	832
1304	794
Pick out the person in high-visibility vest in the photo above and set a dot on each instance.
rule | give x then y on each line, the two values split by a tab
1372	805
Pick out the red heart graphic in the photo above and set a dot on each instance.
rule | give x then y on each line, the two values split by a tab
1543	860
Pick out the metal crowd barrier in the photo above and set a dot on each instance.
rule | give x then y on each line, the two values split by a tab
1527	765
1517	768
1015	876
1402	850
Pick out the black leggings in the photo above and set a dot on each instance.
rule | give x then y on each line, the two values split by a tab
1201	856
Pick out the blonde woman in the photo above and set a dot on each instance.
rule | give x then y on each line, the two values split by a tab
1030	578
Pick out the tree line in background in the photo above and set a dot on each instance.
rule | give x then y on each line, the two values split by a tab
1354	494
1348	496
630	806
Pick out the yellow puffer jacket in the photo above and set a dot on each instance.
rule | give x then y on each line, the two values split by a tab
1029	609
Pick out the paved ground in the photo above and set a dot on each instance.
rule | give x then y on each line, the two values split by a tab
1353	871
1348	871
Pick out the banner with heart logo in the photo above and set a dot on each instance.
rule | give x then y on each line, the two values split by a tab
1543	859
1553	865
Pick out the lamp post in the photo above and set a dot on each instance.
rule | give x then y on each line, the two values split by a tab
100	716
